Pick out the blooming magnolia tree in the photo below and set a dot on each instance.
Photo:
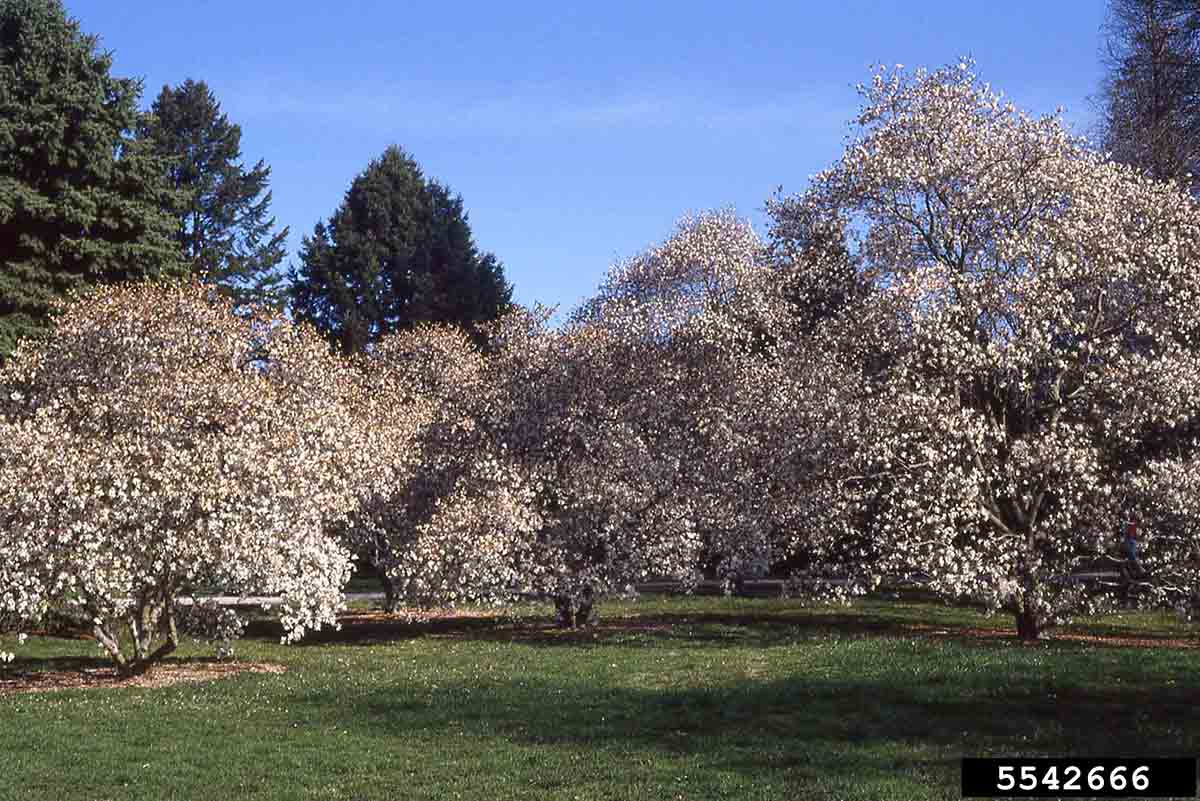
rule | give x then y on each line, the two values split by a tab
1030	376
157	443
445	519
479	513
659	428
737	398
574	416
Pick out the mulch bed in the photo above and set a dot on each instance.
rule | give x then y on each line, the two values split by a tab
107	678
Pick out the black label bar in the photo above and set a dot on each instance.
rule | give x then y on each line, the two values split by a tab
1041	777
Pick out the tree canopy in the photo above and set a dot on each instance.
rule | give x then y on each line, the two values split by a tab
222	212
1149	99
398	251
1037	303
160	442
82	202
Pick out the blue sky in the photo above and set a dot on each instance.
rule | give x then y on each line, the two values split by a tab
577	133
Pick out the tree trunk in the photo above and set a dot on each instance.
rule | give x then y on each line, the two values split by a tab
113	646
152	622
585	615
572	612
1028	626
564	612
391	596
143	658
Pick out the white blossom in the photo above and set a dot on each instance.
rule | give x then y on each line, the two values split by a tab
157	443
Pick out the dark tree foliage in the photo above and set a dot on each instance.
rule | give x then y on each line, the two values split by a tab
820	275
81	201
1150	119
397	252
1149	101
223	224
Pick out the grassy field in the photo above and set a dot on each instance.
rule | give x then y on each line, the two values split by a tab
699	698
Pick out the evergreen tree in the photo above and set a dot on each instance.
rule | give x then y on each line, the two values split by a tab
81	201
223	225
398	251
1149	101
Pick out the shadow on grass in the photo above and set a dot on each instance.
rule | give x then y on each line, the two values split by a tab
641	630
847	715
705	629
869	731
21	666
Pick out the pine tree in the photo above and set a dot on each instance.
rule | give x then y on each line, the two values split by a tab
397	252
223	225
81	201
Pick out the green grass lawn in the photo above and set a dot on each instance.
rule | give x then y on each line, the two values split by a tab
697	698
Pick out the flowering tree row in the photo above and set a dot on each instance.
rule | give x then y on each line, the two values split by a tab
968	351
